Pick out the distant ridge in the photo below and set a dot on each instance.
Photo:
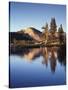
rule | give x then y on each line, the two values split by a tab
30	34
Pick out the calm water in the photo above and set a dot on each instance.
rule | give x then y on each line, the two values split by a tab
37	67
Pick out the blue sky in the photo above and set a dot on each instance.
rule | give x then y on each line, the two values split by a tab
23	15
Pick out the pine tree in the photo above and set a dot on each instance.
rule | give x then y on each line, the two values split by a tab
60	30
53	26
45	32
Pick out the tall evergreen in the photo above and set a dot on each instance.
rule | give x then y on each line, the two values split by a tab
61	36
60	30
45	32
53	26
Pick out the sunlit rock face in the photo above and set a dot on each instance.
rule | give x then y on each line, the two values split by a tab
34	33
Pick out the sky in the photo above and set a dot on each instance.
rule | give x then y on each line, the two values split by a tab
23	15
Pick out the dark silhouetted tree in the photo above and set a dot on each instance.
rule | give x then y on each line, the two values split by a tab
61	36
60	30
53	26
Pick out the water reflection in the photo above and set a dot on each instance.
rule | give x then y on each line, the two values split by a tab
49	54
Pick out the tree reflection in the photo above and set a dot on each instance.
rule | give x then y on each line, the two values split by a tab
49	54
45	55
53	59
62	55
